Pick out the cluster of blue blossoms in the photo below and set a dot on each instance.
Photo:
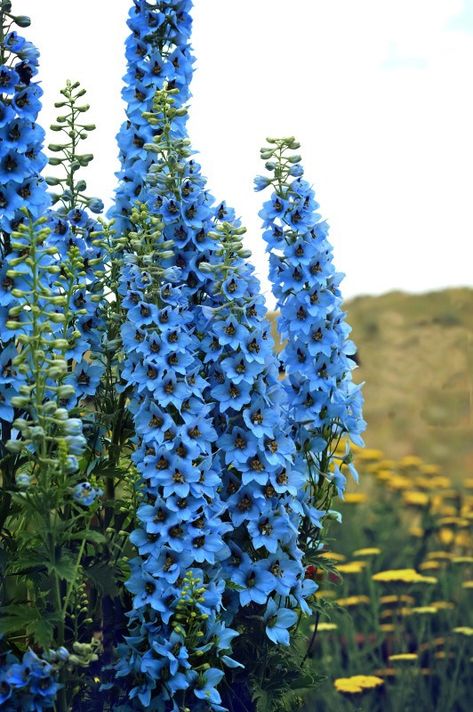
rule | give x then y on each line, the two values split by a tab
181	520
325	404
30	685
21	161
229	456
158	54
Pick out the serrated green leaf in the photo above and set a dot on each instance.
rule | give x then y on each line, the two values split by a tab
64	567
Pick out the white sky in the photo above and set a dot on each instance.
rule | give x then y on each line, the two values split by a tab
377	91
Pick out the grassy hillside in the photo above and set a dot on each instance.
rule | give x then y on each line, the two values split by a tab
416	358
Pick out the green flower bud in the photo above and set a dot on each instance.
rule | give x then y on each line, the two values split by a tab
22	21
57	318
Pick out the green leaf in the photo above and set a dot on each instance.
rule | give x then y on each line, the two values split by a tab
15	618
43	631
92	535
64	568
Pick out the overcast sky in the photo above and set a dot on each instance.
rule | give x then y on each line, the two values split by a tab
379	92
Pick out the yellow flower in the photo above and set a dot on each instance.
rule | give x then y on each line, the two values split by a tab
385	475
355	498
453	521
398	482
467	584
403	598
463	630
387	627
351	601
322	627
417	532
468	483
401	657
422	611
446	536
402	576
440	482
415	499
430	469
357	683
430	565
332	555
369	551
352	567
462	560
443	605
409	461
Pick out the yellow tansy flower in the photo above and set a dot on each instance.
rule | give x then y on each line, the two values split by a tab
402	576
443	605
422	611
446	536
369	551
357	683
355	498
430	565
322	627
463	630
351	601
401	657
352	567
332	555
467	584
415	499
410	461
403	598
462	560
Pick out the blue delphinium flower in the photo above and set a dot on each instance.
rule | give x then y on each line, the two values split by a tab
31	684
278	621
181	520
158	54
325	404
255	452
21	161
86	494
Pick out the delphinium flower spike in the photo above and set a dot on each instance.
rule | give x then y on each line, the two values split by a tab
158	54
256	453
172	647
21	161
74	227
325	404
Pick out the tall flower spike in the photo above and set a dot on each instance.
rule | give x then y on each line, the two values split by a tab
325	405
21	161
158	54
256	454
73	227
180	539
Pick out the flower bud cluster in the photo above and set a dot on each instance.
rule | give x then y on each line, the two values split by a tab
37	361
325	404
